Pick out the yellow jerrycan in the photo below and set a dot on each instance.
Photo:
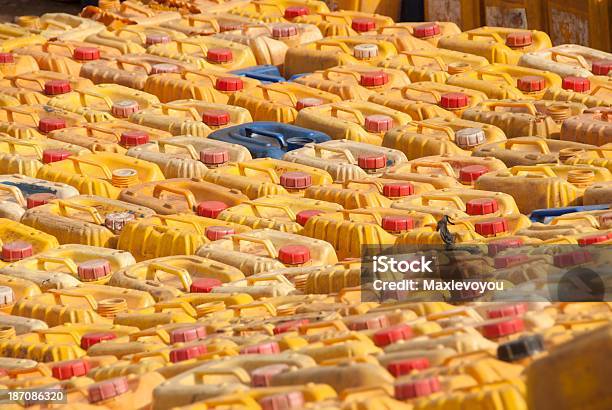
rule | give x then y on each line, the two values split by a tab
14	64
568	60
593	92
345	22
60	26
21	241
592	127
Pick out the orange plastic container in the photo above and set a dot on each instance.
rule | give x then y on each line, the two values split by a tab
128	12
567	60
416	109
12	96
14	64
464	13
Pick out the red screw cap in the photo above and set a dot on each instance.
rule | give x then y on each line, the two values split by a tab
481	206
16	251
578	84
214	157
219	55
563	260
372	161
164	68
392	334
592	239
296	11
262	376
218	232
133	138
294	254
289	326
187	334
124	108
471	173
454	101
401	367
491	227
283	401
261	348
210	209
303	216
531	83
284	30
186	353
107	389
7	296
515	309
378	123
39	199
503	328
229	26
397	223
90	339
204	285
54	155
506	261
426	30
374	79
417	388
376	322
86	53
398	190
599	67
308	102
361	25
497	246
157	38
7	58
71	368
94	269
46	125
229	84
215	117
295	180
56	87
519	39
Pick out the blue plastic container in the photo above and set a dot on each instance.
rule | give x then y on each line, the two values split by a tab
266	139
264	73
545	215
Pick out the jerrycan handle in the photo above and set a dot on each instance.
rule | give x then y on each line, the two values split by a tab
382	390
492	35
455	200
598	87
181	43
337	325
444	166
67	262
102	130
13	143
123	63
60	294
166	108
11	111
63	207
266	243
128	29
290	214
525	169
579	59
492	105
187	147
163	354
435	94
165	218
39	368
318	148
58	44
235	371
335	70
474	354
255	305
278	278
248	27
540	144
128	5
346	337
333	43
211	78
77	161
185	193
357	114
182	274
504	76
259	5
422	125
242	167
90	93
15	192
192	18
181	304
18	80
577	218
377	184
348	212
60	332
411	54
327	16
267	89
249	132
57	24
158	332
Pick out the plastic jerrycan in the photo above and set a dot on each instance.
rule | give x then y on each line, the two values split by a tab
40	118
430	31
347	160
519	118
400	36
417	110
539	186
503	81
497	44
537	150
568	60
189	157
104	102
206	85
28	156
135	38
587	154
108	136
84	219
353	120
280	101
335	51
262	249
191	117
14	64
205	24
433	64
112	40
13	36
101	173
47	83
12	96
592	127
21	241
19	192
598	193
61	26
279	212
128	12
592	92
268	139
181	195
346	22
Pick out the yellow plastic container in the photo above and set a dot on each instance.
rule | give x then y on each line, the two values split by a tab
400	36
345	22
103	174
497	44
43	118
133	38
61	26
17	64
335	51
464	13
12	96
340	158
35	80
84	219
417	110
350	197
589	128
594	91
12	36
180	195
280	101
502	81
586	23
106	136
128	12
11	231
430	31
565	60
191	117
204	24
201	6
353	120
